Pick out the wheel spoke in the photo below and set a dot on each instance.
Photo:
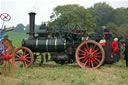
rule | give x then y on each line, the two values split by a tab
94	47
92	64
90	50
95	51
1	61
17	56
24	52
94	61
19	53
81	54
27	55
89	62
1	54
85	49
25	64
9	66
84	59
99	53
87	45
4	50
86	62
4	67
97	60
5	47
16	59
28	61
98	56
81	57
82	51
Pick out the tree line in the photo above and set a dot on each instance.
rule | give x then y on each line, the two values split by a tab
21	28
91	19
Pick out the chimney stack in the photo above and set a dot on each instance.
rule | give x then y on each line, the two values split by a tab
32	24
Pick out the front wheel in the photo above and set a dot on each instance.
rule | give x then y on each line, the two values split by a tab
90	55
23	57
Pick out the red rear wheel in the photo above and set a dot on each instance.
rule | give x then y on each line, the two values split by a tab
23	57
6	56
90	55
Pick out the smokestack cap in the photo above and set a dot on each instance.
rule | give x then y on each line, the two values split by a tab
32	13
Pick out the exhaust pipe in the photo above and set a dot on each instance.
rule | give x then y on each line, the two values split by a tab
32	24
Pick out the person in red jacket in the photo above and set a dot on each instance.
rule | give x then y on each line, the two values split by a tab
115	46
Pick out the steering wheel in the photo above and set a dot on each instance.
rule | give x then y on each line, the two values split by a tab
5	17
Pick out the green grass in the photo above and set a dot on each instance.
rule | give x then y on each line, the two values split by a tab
16	35
54	74
16	38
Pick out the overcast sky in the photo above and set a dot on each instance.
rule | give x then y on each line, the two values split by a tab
19	9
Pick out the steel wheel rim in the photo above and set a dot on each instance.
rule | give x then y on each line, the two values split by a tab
90	55
23	57
7	63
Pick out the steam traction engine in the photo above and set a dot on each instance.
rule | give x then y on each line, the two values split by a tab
65	47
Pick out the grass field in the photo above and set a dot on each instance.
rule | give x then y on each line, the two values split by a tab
16	38
54	74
